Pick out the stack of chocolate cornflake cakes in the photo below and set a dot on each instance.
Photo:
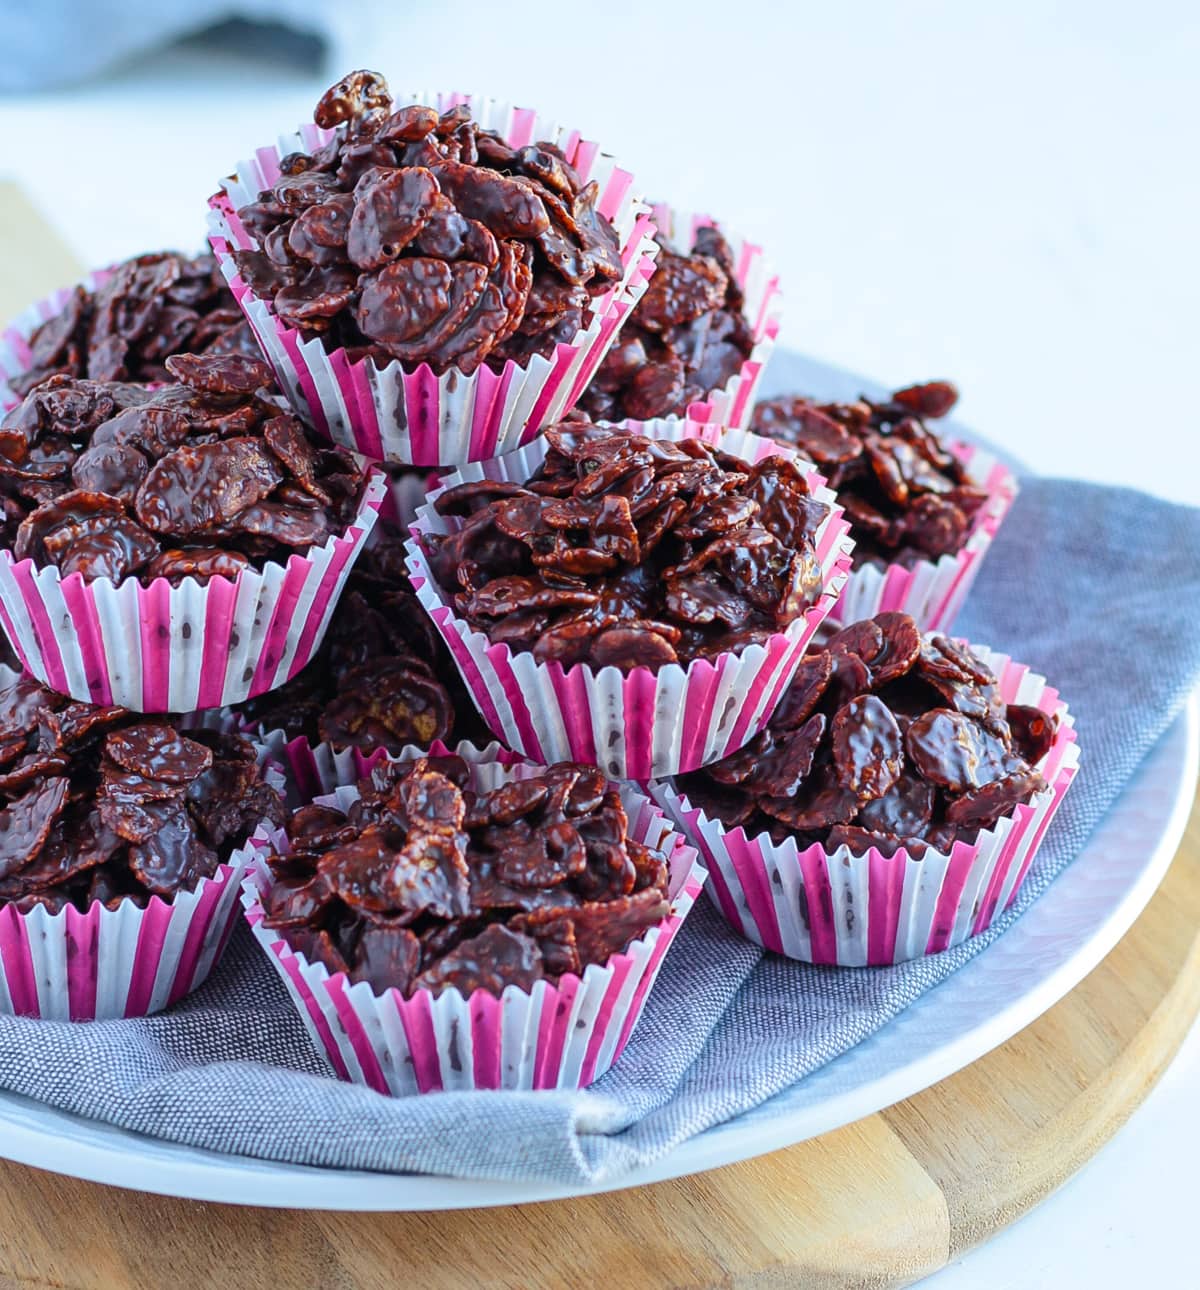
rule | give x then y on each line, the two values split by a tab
419	576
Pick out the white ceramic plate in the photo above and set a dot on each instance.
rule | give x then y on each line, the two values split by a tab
1057	943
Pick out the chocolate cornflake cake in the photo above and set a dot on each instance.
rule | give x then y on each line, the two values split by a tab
885	739
685	338
626	551
146	310
424	884
382	677
906	495
419	237
101	804
203	477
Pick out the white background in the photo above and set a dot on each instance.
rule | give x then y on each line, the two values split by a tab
1006	195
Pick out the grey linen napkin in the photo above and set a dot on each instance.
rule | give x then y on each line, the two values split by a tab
1097	588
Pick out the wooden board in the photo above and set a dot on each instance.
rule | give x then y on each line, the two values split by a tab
879	1203
42	263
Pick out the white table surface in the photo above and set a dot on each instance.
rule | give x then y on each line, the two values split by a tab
1126	1219
1008	197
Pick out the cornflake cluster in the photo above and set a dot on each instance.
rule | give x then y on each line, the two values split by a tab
906	496
424	884
686	337
885	739
100	804
631	552
150	308
422	238
382	677
201	478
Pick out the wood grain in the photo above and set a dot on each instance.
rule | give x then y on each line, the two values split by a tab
37	261
879	1203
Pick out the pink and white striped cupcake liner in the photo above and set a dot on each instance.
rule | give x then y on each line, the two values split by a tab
563	1035
415	417
732	404
125	962
645	724
112	963
160	648
933	591
866	911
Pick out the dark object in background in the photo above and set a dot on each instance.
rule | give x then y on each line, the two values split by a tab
382	677
50	46
152	307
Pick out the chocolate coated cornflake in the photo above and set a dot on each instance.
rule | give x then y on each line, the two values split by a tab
104	804
685	338
201	478
422	238
148	309
425	884
906	496
886	739
632	552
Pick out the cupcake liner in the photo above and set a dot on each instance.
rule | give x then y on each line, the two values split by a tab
315	770
733	404
123	962
415	417
933	591
15	356
160	648
644	724
407	490
564	1035
857	911
107	963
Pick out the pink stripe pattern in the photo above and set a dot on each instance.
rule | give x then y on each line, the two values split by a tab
179	649
416	417
111	963
561	1035
855	911
643	725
